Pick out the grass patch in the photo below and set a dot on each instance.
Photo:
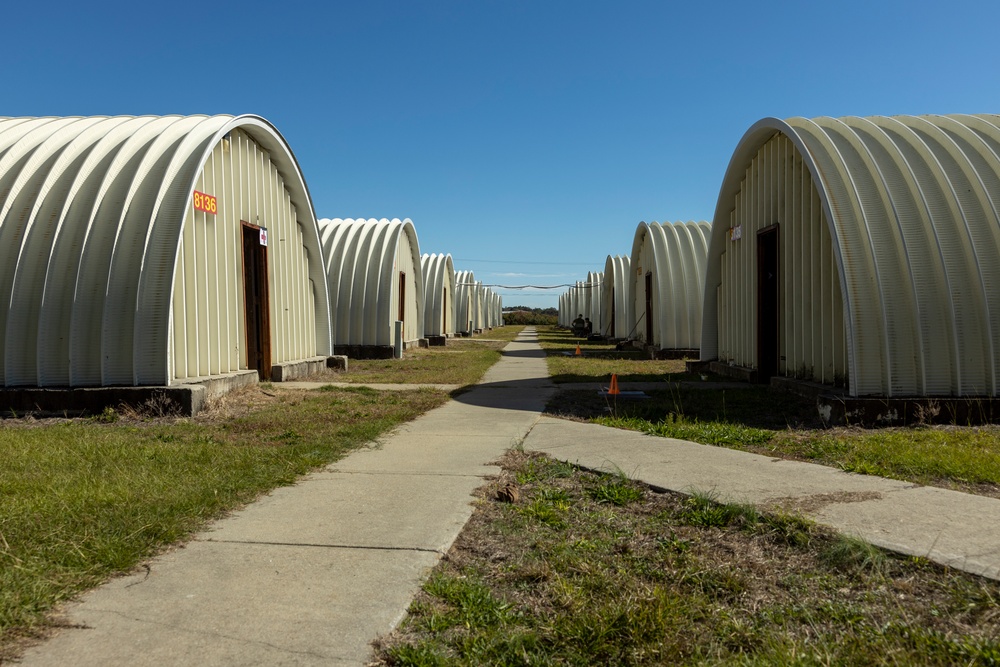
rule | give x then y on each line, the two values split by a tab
461	361
600	360
709	433
667	579
83	500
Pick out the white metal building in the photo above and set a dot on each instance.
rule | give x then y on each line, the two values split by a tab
595	289
439	295
466	302
668	278
465	284
488	314
375	279
492	308
616	297
862	251
577	300
497	310
132	251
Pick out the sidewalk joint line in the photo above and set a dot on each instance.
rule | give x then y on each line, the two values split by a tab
325	546
407	473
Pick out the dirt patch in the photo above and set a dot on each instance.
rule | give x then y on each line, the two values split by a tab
814	503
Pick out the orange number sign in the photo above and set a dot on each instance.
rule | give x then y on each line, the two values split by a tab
206	203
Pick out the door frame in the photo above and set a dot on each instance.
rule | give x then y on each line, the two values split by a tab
768	325
256	301
649	307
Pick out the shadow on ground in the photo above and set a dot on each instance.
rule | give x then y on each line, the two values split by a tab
753	406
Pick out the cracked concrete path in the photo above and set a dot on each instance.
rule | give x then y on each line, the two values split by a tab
956	529
312	573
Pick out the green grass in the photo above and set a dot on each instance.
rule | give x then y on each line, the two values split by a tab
766	421
599	360
461	361
681	428
956	457
669	579
83	500
962	457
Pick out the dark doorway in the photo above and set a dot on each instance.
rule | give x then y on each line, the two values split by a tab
611	318
444	312
402	296
256	302
649	308
768	314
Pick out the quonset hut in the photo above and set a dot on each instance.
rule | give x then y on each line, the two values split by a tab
492	309
563	319
156	251
616	298
375	280
668	274
468	310
439	297
862	252
595	292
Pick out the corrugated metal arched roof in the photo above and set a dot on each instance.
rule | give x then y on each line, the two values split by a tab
912	205
677	253
439	280
616	294
595	297
91	216
466	302
362	263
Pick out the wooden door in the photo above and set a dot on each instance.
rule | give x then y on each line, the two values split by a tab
256	302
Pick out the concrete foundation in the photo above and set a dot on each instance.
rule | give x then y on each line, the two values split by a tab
838	408
880	411
298	369
182	399
365	351
673	353
728	370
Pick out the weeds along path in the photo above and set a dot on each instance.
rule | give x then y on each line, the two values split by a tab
314	572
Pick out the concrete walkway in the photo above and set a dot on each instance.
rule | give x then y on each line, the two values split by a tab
314	572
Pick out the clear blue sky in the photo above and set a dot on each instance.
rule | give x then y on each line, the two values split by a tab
526	138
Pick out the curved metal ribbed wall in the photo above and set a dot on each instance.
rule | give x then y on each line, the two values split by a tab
889	250
112	276
616	297
489	316
492	308
439	295
673	256
577	300
465	301
368	260
479	306
595	293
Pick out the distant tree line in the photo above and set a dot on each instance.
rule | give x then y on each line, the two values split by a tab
526	315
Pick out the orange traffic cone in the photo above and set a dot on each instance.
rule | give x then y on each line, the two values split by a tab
579	352
613	389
